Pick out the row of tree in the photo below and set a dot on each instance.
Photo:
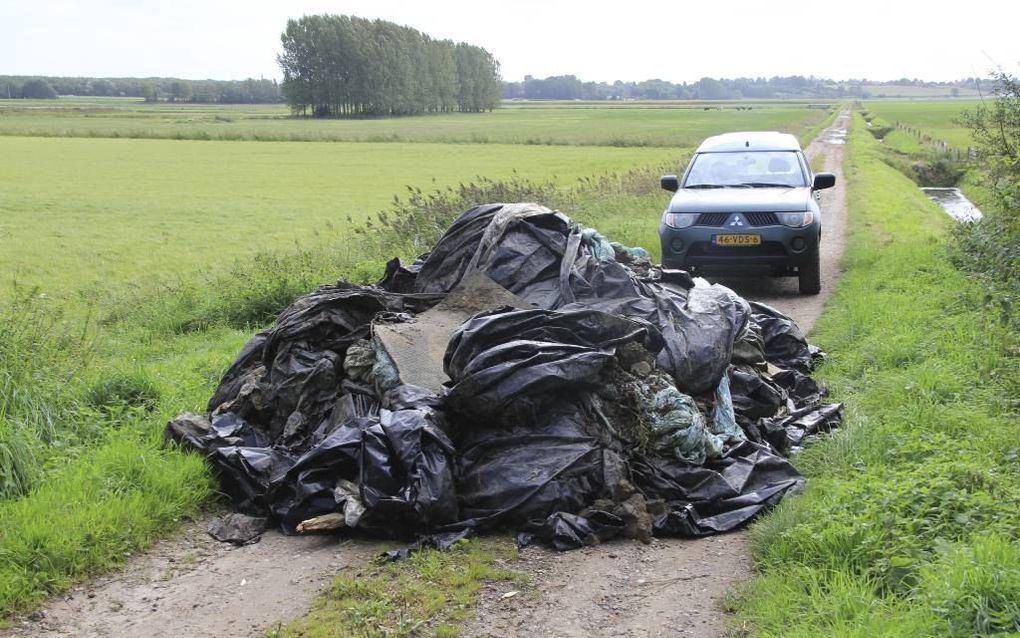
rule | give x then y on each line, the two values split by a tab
250	91
569	87
344	66
447	77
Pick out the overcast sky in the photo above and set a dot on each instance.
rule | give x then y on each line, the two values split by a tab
674	40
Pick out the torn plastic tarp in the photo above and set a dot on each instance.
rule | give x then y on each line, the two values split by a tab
610	397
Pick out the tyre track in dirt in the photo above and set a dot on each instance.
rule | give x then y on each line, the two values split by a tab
671	587
189	585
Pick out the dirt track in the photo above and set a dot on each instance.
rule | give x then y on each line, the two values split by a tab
190	585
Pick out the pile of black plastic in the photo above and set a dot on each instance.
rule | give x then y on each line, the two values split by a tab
526	374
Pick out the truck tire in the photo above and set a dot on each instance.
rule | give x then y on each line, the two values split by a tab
809	276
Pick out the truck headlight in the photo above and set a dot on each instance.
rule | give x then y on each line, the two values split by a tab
796	220
681	220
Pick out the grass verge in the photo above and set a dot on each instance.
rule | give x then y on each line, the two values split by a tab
428	595
910	520
88	517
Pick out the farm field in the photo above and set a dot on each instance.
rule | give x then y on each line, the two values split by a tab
91	213
936	118
669	124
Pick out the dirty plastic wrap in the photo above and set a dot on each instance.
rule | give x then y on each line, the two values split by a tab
525	374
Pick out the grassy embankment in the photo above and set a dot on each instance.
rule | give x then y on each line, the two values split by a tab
990	248
909	523
88	377
924	140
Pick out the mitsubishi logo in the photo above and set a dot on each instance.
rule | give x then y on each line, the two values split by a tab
737	221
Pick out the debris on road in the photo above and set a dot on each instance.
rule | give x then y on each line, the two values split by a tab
525	374
237	528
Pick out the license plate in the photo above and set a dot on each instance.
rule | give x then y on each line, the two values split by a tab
736	240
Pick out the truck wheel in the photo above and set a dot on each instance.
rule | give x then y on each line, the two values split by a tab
809	276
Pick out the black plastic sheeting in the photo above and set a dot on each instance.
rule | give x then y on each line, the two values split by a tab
306	422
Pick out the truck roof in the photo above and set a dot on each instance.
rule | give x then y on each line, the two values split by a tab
749	140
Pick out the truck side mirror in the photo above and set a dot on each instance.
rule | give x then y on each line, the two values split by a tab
669	183
823	181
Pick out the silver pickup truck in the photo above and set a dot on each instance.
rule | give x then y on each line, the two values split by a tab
746	200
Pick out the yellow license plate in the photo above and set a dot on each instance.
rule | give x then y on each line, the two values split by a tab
737	240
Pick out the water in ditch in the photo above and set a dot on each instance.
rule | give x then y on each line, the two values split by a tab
955	203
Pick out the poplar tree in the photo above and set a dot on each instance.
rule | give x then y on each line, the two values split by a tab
345	66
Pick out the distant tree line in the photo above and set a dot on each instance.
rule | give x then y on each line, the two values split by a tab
429	76
250	91
569	87
344	66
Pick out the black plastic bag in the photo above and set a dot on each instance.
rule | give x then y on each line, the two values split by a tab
313	419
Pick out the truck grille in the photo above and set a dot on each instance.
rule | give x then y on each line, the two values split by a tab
761	219
754	219
713	219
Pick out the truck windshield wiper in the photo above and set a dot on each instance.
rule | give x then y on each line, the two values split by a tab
705	186
766	185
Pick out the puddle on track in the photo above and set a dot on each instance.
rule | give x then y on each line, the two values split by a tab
835	136
955	203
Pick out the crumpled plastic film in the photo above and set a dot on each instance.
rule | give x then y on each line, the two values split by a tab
569	389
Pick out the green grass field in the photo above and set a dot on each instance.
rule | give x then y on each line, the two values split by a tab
936	118
636	124
89	214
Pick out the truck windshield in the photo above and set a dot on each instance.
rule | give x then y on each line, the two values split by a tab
748	169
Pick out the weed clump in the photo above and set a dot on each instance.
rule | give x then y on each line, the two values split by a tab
429	594
119	389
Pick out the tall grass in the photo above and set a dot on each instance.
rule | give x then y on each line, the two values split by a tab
910	520
252	292
92	513
41	355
